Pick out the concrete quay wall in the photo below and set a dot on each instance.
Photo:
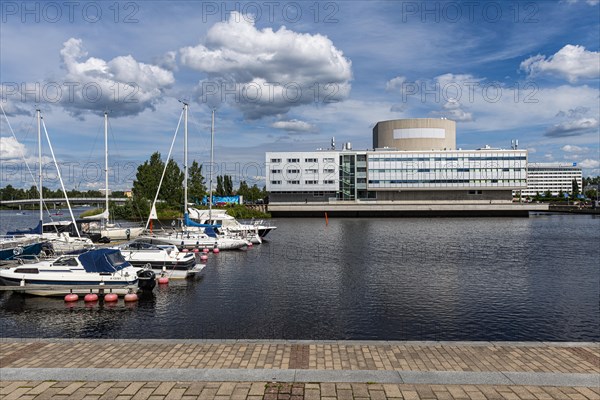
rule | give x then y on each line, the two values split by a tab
399	209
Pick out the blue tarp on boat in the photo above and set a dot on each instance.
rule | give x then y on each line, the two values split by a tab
103	260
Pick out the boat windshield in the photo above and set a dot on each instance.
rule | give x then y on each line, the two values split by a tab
117	260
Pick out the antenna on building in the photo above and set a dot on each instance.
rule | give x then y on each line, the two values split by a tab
516	144
332	143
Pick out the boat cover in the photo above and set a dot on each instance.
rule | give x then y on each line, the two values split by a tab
208	229
103	260
31	231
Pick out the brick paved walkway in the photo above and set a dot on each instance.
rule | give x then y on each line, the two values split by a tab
151	369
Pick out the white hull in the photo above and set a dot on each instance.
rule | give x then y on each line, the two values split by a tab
118	233
167	261
196	241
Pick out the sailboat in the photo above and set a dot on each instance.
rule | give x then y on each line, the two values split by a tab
192	235
62	242
105	228
226	223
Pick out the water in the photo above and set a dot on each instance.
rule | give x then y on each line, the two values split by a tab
386	279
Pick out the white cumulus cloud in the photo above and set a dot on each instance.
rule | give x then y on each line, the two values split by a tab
294	126
589	163
573	149
123	85
395	83
571	62
267	72
10	149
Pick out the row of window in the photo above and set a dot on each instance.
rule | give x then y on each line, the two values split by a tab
306	171
445	170
306	160
413	181
491	158
307	182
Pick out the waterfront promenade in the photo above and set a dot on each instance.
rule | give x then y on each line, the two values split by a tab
294	370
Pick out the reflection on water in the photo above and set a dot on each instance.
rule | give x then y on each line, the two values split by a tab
412	279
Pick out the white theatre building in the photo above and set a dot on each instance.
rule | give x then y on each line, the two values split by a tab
412	160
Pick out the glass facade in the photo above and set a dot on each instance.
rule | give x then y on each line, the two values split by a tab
444	170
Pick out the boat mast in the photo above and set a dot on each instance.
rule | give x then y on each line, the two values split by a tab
39	129
106	163
185	159
212	140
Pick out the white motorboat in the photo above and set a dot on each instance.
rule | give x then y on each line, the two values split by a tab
255	231
162	259
67	274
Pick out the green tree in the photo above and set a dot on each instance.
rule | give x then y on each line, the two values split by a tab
171	191
219	190
196	183
574	188
243	190
227	186
147	178
548	194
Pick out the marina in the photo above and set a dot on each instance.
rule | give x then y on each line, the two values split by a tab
444	279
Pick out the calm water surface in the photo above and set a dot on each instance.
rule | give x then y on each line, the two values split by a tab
393	279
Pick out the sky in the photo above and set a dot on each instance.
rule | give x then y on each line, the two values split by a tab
289	76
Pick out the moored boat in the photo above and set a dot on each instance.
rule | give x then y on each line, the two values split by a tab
162	259
67	274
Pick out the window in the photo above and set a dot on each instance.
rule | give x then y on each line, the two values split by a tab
311	182
361	157
329	160
275	182
275	160
361	169
361	180
275	171
293	171
293	160
293	182
329	182
313	160
311	171
475	192
329	170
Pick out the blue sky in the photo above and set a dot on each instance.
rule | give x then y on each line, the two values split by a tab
290	75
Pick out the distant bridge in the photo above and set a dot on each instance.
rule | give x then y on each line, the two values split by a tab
57	201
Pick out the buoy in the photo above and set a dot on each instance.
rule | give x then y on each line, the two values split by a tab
203	257
205	250
196	250
131	297
216	250
185	250
110	297
163	280
90	297
250	244
71	297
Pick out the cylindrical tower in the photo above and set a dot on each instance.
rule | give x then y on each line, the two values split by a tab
415	134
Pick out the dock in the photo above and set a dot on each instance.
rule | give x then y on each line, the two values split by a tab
295	370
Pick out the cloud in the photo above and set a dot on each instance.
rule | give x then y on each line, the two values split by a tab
589	2
267	72
11	149
571	62
572	128
573	149
395	83
294	126
398	108
589	163
11	101
453	110
123	85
